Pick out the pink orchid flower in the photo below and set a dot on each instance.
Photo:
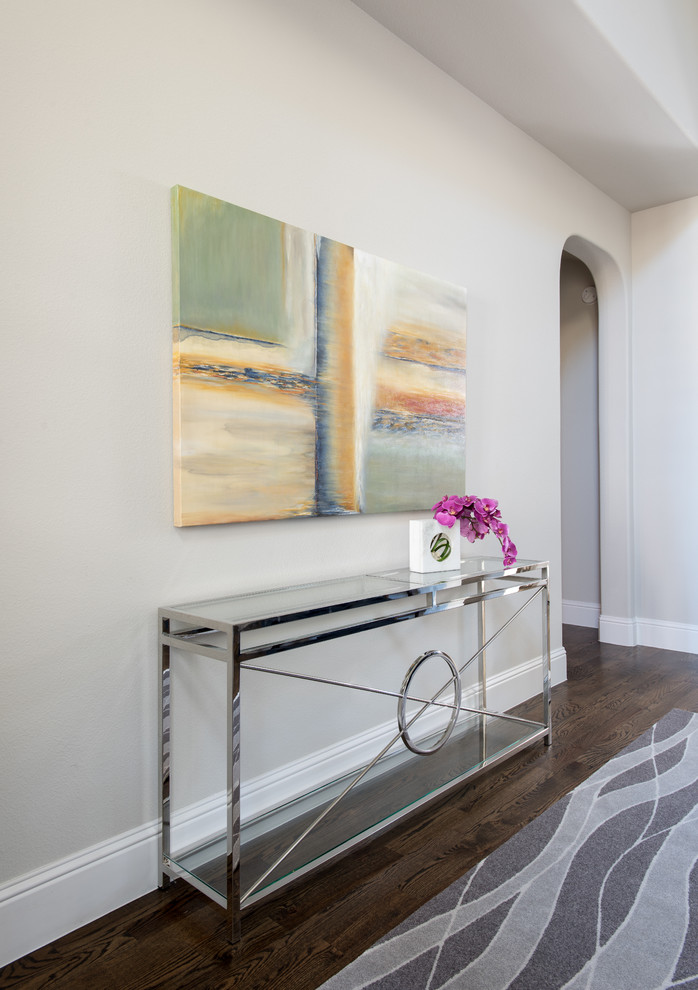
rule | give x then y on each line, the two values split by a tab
477	518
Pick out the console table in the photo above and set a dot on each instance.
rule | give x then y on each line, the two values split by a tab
418	761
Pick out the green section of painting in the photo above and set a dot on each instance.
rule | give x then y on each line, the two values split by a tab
229	268
403	472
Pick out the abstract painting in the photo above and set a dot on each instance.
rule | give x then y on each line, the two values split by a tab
310	378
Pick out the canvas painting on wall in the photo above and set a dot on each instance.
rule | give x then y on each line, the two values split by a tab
310	378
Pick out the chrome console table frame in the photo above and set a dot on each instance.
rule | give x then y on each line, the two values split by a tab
408	595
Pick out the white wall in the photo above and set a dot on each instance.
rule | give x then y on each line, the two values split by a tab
665	345
305	110
657	40
579	444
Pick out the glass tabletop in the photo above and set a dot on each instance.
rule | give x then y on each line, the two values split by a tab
301	598
347	592
471	569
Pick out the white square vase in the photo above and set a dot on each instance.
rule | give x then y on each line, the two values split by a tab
433	547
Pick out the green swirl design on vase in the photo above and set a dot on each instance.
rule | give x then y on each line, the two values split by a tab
440	547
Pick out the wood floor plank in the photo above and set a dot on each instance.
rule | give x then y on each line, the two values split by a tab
177	939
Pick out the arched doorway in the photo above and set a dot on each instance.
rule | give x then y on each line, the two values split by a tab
616	620
579	444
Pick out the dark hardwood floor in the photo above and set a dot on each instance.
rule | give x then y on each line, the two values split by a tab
175	939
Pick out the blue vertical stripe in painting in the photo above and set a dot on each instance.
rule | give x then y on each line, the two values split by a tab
325	504
330	499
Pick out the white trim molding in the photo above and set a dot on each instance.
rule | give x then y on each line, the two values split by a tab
677	636
617	632
581	614
44	905
667	635
558	666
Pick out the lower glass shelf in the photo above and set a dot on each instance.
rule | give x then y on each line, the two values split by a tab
285	843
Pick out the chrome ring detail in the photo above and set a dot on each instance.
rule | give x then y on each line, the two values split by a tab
403	725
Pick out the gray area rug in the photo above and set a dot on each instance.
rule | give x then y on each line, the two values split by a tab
599	892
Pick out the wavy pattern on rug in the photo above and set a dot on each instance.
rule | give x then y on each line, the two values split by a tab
600	892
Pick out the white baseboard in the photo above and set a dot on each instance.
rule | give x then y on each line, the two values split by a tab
524	681
581	614
42	906
667	635
617	632
558	666
677	636
48	903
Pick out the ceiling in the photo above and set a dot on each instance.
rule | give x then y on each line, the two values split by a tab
609	86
